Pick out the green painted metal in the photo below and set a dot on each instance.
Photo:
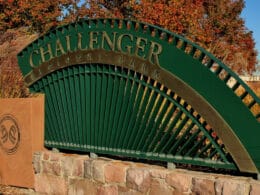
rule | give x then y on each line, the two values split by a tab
127	88
157	124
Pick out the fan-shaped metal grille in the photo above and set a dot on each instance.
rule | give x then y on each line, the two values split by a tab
114	110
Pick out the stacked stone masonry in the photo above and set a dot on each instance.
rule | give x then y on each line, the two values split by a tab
59	173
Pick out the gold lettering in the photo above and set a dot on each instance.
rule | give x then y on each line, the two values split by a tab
121	59
31	58
140	44
68	42
93	39
67	60
59	48
132	63
51	67
110	43
78	57
119	43
58	62
37	72
88	57
80	41
155	50
144	68
47	52
156	74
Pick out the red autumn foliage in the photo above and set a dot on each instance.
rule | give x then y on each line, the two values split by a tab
11	79
213	24
38	15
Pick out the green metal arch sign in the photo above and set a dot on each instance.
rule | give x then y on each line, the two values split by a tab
205	83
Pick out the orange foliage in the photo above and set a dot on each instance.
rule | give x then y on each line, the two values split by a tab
11	79
214	24
38	15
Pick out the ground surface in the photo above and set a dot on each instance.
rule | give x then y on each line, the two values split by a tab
10	190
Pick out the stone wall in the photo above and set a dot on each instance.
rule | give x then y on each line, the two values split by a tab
59	173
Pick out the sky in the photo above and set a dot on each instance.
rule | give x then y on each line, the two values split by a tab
251	15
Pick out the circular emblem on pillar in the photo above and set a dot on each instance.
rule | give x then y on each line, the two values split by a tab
9	134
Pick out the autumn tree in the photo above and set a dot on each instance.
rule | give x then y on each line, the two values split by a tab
20	23
213	24
230	40
38	15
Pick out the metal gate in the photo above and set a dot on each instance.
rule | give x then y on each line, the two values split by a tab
126	88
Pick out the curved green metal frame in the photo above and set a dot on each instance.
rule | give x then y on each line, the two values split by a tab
190	71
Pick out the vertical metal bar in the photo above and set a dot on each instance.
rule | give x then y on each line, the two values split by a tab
183	45
213	153
87	79
155	113
114	106
157	140
157	121
227	77
175	134
243	95
201	56
92	104
192	51
61	113
145	117
51	109
82	105
56	108
109	95
196	146
77	105
98	102
175	41
64	104
188	142
139	116
214	142
235	86
103	101
131	106
124	109
204	149
139	94
173	149
251	104
153	110
210	64
73	104
168	132
118	109
69	103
